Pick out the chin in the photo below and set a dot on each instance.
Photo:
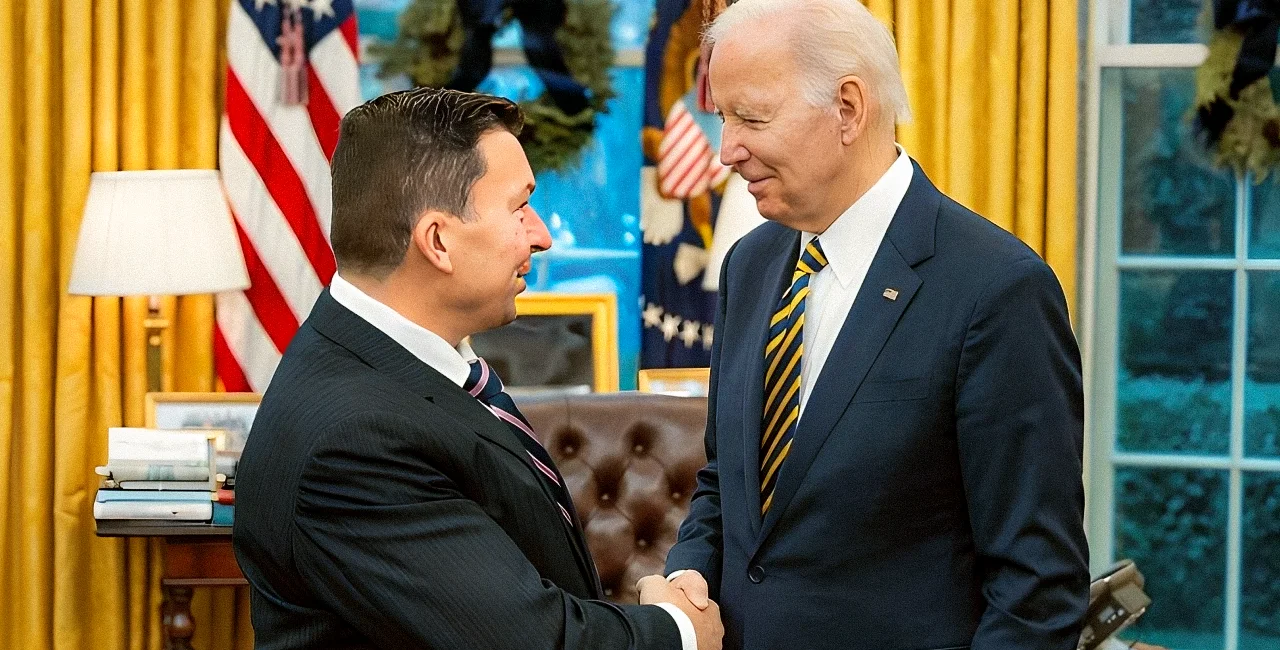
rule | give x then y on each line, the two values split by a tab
773	210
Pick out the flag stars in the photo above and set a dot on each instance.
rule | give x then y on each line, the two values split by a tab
670	326
259	4
708	336
689	333
652	316
322	8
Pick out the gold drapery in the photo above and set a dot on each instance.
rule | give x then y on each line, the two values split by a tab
992	84
90	85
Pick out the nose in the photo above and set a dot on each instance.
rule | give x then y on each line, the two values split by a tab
731	150
536	231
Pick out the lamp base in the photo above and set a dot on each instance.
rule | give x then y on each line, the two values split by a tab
155	325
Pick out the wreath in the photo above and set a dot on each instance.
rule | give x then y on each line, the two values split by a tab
427	50
1237	115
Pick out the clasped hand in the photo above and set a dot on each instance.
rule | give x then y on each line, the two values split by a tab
688	591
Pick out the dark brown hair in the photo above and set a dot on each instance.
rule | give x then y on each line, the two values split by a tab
400	155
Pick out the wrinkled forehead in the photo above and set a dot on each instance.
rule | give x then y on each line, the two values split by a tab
752	72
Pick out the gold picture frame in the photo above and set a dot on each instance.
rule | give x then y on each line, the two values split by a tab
685	382
601	310
231	412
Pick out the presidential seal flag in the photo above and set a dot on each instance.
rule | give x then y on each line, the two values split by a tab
692	207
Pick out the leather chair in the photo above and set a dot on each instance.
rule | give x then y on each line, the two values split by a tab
630	461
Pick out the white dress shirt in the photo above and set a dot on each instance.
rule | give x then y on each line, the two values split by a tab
453	363
849	244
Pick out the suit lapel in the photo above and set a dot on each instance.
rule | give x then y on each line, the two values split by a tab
776	275
348	330
343	327
867	327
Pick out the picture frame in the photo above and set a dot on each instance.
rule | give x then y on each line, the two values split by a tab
683	382
559	342
230	412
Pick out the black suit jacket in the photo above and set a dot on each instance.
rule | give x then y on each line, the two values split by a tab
932	497
380	505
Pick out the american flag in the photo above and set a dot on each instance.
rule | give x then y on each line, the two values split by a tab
687	163
274	155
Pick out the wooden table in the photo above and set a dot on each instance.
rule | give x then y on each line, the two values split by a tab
195	555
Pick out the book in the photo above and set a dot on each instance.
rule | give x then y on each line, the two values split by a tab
142	446
169	510
225	496
127	470
130	471
165	485
223	515
195	496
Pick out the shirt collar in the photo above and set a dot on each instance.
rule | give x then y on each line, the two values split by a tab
851	241
429	347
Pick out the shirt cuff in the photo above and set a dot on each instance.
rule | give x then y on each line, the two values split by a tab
676	574
688	640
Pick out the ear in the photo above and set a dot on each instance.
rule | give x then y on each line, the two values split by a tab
854	101
430	237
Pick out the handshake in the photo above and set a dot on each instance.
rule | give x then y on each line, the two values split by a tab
688	591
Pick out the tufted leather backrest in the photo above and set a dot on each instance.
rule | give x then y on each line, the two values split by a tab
630	461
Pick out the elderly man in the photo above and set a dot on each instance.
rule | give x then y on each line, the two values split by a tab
391	494
895	428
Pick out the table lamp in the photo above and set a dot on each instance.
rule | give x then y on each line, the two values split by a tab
156	233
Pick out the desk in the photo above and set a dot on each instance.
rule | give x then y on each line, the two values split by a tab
195	555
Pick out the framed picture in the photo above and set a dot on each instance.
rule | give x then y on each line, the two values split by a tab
231	412
685	382
558	343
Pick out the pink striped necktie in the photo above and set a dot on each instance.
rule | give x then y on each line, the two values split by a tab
485	385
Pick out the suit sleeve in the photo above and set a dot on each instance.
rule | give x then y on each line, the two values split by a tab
385	536
699	545
1020	429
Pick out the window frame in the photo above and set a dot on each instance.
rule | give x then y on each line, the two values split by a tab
1102	262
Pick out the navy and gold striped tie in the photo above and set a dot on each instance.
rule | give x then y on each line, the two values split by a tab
782	372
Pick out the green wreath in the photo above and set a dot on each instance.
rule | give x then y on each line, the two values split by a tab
427	51
1242	129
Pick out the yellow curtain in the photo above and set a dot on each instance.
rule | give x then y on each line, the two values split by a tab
90	85
992	84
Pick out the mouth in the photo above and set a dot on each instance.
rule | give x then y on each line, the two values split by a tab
524	270
754	186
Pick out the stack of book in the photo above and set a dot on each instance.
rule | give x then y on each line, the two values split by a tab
166	477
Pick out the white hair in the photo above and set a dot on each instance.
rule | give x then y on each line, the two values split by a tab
830	39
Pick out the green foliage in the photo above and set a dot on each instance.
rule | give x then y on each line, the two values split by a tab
1262	432
1260	573
1199	422
428	44
1166	21
427	49
1172	522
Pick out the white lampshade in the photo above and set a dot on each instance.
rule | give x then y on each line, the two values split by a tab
157	233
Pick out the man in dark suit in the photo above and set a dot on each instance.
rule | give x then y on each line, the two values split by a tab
895	431
391	495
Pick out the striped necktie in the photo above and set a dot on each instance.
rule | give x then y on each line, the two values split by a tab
782	373
485	385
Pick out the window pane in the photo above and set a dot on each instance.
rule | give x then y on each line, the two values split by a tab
1174	201
1265	220
1260	574
1173	523
1174	389
1165	21
1262	377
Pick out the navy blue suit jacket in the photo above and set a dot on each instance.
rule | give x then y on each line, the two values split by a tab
933	495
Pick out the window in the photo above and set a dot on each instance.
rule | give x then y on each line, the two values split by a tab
1182	329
